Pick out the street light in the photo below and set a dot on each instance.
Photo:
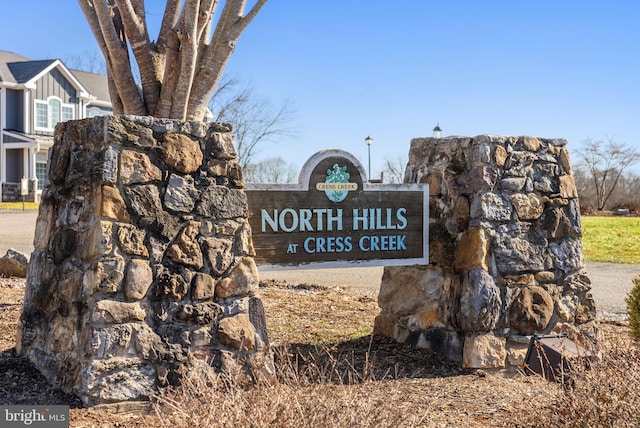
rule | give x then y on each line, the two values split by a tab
368	140
437	131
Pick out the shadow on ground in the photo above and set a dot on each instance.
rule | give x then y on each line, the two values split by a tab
345	363
359	360
22	383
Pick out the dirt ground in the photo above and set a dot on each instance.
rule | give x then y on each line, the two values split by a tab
610	282
300	316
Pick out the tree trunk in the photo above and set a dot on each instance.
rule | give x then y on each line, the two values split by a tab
136	29
179	73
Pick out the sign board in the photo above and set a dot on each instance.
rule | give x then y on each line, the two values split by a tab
334	218
24	186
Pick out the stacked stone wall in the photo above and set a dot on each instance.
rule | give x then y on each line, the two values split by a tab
143	260
505	253
11	192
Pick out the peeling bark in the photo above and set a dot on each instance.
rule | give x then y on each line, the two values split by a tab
116	55
188	41
133	12
178	73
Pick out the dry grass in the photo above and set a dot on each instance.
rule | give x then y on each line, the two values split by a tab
371	381
602	394
633	309
221	402
326	389
332	372
318	394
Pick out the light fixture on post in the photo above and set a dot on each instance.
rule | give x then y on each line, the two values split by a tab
437	132
368	140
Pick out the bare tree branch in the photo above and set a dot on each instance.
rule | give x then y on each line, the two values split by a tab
116	55
188	41
242	24
256	119
215	57
135	26
271	170
92	18
394	170
92	62
169	20
606	162
205	20
167	44
179	73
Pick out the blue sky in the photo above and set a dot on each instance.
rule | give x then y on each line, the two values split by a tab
393	70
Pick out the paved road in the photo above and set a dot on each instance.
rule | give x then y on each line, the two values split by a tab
16	231
611	282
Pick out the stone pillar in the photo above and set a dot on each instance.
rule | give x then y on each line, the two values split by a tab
143	260
505	252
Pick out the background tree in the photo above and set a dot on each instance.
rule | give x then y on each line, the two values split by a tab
180	70
394	170
89	61
627	194
604	165
256	120
272	170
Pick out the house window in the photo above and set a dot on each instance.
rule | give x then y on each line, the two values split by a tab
54	112
94	112
42	115
41	169
49	113
67	113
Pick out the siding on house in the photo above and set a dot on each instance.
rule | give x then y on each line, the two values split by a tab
15	110
23	146
53	84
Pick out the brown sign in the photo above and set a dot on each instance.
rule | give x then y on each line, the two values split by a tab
334	218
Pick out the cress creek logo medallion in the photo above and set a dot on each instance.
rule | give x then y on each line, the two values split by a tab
336	185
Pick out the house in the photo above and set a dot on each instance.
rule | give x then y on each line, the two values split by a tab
34	96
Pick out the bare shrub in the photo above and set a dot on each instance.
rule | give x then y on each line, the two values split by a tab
315	389
603	393
633	309
586	208
631	204
366	359
335	378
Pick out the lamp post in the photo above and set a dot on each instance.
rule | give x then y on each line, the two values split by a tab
437	132
368	140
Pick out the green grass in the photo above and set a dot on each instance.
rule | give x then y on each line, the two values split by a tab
611	239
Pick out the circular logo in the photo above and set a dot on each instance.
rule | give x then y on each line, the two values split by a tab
337	183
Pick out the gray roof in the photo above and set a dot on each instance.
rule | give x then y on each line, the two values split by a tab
7	58
95	84
17	69
27	70
42	138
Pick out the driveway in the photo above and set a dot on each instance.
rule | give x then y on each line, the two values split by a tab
16	231
610	282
